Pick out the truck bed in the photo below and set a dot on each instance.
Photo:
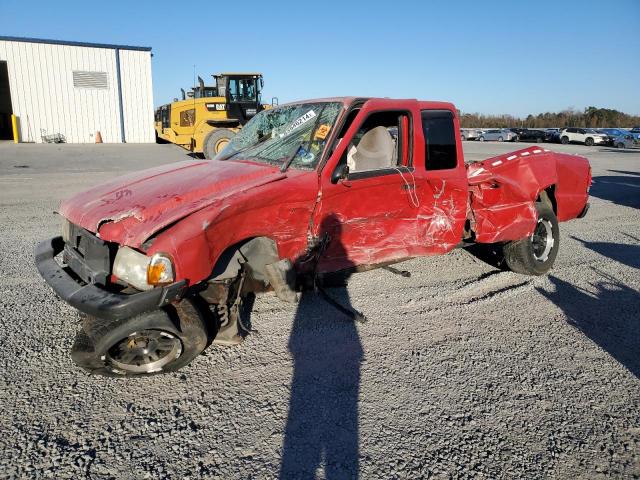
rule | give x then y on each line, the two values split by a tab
503	191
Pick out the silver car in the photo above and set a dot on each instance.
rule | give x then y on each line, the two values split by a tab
500	135
469	133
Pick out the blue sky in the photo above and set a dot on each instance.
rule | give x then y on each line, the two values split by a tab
510	57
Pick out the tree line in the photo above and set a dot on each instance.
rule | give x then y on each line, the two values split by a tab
591	117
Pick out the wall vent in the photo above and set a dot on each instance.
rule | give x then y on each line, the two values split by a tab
82	79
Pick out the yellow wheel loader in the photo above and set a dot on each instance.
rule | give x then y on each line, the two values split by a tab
208	116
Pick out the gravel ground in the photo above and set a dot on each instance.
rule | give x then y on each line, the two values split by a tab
461	371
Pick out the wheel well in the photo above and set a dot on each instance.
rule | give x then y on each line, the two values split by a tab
548	196
256	252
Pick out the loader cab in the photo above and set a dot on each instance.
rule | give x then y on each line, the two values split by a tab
242	92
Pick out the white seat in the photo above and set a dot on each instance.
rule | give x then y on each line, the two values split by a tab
375	150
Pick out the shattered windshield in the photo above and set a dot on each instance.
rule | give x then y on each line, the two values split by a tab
291	135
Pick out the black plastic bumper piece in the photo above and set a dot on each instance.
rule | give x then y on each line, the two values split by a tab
584	211
96	301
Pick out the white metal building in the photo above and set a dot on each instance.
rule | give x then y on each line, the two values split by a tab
72	90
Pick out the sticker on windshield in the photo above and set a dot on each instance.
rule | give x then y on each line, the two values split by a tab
298	123
322	132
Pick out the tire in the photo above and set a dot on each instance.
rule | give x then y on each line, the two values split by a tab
463	138
118	348
481	139
539	140
536	254
564	140
588	142
500	139
620	145
516	139
215	141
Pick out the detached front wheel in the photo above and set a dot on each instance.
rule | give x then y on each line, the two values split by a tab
536	254
154	342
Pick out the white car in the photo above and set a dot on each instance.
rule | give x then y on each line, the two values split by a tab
588	136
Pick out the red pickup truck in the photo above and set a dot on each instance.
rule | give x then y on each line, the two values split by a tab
159	261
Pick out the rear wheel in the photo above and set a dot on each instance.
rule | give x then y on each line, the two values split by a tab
500	139
620	145
154	342
463	138
536	254
564	140
589	142
215	141
481	139
540	140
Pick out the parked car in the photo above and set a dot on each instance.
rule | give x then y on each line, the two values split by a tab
469	133
499	135
588	136
635	131
526	135
612	134
552	135
623	141
304	192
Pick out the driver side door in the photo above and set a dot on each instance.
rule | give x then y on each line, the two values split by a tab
369	217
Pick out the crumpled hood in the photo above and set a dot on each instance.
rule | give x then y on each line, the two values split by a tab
129	209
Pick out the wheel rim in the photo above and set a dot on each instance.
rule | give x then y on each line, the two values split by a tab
146	351
220	144
542	240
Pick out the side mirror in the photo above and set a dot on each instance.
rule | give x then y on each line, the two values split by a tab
340	173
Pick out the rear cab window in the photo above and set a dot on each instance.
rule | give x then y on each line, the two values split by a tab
441	151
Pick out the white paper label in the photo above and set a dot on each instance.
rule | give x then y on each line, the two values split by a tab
298	123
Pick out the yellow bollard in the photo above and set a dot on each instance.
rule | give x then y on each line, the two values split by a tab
14	124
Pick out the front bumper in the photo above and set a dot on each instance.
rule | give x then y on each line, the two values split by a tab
96	301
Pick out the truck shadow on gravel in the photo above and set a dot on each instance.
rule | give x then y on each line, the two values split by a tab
322	423
619	189
608	315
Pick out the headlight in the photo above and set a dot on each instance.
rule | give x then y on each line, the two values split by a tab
66	230
143	272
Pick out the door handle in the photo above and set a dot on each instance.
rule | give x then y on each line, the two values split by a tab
408	186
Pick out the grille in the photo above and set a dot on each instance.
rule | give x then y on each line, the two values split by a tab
88	256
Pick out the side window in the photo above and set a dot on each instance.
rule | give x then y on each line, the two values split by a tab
351	116
188	117
378	143
439	139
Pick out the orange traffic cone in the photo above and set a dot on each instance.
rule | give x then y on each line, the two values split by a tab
98	137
